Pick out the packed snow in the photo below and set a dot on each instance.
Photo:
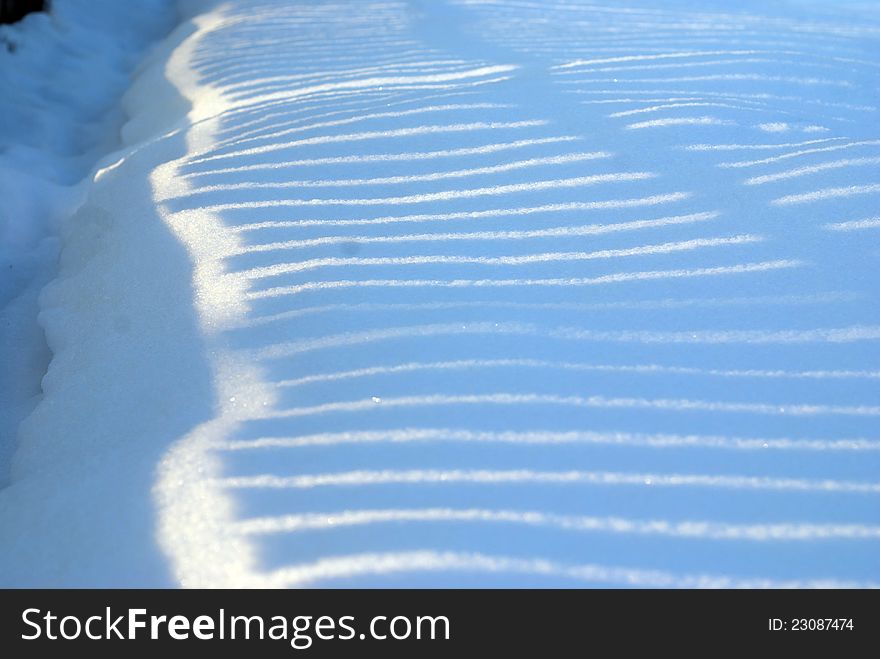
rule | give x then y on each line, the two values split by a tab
447	293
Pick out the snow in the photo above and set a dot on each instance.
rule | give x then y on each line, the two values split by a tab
457	293
61	75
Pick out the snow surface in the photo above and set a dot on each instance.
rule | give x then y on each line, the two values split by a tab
470	293
61	76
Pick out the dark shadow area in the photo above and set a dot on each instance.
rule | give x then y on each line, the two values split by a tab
14	10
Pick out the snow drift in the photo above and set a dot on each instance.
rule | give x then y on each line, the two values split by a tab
470	293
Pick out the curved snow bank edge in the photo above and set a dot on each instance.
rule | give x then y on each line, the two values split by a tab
62	73
79	510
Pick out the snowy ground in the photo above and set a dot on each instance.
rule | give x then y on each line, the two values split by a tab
61	76
470	293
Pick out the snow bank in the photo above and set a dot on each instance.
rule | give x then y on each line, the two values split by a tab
471	293
61	75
